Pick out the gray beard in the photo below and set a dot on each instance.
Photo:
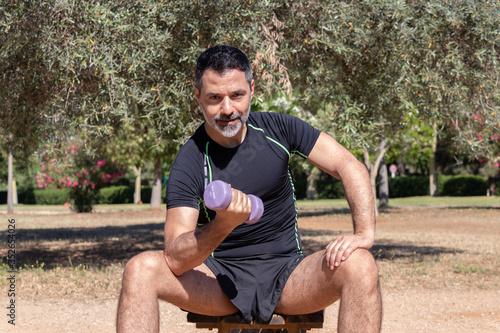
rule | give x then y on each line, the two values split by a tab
228	131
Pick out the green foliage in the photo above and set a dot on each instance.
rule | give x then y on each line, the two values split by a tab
125	194
27	84
405	186
464	186
327	189
123	70
448	185
129	65
465	268
51	196
116	194
81	173
413	147
408	186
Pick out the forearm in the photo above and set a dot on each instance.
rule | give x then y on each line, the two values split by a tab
190	249
359	195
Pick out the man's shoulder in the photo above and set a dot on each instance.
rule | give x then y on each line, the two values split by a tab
196	142
265	119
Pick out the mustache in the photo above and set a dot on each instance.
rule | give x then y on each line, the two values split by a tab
232	116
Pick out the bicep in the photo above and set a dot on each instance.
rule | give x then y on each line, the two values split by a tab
179	220
331	157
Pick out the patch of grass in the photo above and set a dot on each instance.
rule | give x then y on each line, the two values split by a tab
464	268
419	266
426	201
62	208
322	203
429	201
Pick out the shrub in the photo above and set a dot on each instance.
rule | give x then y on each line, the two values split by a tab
81	173
461	186
26	196
146	192
51	196
408	186
116	195
327	189
330	189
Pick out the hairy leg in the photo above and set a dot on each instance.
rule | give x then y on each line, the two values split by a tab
147	278
313	286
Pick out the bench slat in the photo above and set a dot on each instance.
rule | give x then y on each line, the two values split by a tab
293	323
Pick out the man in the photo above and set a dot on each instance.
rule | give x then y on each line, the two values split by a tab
215	263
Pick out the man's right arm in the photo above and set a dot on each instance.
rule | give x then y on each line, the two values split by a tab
186	246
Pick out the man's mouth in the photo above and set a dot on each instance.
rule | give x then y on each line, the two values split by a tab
228	121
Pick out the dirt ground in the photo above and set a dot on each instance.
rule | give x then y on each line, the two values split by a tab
439	268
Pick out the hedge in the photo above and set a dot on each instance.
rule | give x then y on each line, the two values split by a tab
407	186
460	186
116	194
327	189
51	196
125	194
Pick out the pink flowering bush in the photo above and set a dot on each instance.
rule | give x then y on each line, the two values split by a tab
81	173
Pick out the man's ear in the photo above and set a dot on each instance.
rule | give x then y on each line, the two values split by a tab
197	94
251	89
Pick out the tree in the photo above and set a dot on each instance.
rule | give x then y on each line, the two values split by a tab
349	61
127	66
383	62
130	64
451	71
26	84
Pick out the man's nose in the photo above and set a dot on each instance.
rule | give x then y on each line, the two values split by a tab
226	107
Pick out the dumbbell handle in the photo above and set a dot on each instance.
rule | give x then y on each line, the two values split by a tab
218	196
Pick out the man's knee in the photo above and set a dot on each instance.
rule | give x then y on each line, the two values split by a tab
143	266
361	268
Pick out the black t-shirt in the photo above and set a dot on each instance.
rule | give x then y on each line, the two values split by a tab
259	166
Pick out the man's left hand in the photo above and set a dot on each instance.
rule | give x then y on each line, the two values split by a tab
341	248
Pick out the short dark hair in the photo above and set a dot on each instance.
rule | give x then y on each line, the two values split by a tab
221	58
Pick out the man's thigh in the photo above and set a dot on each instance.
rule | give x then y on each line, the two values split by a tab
311	287
196	291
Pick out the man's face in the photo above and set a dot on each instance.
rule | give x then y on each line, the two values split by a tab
225	100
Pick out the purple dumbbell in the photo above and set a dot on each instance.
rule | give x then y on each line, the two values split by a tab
218	196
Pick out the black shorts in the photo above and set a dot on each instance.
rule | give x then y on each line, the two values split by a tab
254	285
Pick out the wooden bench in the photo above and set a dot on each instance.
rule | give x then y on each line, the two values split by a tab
277	324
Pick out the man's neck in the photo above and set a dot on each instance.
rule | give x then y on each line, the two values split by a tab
226	142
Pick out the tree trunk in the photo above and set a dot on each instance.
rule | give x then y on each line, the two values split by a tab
157	180
312	181
373	183
432	163
10	186
492	188
383	185
137	191
373	167
14	191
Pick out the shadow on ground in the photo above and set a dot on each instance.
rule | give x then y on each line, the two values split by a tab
104	246
99	247
382	250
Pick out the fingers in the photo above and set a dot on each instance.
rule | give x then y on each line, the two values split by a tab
241	203
340	249
239	209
